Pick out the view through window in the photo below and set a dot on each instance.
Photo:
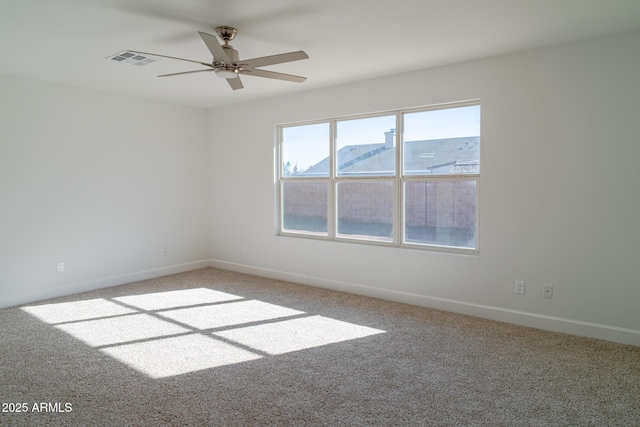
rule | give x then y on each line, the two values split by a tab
404	178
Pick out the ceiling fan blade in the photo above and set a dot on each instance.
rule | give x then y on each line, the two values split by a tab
170	57
273	75
235	83
216	50
185	72
274	59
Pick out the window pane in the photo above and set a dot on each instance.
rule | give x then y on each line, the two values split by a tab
365	210
366	146
442	142
440	213
304	207
305	150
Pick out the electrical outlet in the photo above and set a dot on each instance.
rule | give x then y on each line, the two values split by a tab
164	252
60	267
547	291
520	287
242	250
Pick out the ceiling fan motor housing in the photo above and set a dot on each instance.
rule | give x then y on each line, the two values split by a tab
232	54
225	71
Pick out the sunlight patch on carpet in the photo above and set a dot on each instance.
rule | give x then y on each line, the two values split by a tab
179	355
118	330
76	310
163	334
235	313
296	334
171	299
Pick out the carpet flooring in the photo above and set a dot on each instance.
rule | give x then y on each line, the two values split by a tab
218	348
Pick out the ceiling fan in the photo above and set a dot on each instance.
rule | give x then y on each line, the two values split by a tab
226	62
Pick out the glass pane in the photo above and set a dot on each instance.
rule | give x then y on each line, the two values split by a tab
440	213
305	150
304	207
365	210
441	142
366	146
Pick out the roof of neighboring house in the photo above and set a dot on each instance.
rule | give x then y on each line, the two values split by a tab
458	154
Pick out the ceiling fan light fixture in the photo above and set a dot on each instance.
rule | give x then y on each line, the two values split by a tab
226	73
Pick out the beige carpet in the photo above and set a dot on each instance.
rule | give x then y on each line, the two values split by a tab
218	348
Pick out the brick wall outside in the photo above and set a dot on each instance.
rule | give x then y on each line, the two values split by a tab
442	204
369	203
429	204
308	199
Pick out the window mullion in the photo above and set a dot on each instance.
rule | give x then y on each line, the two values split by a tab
398	215
332	204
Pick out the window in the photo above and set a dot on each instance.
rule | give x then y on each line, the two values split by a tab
405	178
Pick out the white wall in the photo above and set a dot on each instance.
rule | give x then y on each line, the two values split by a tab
559	196
100	182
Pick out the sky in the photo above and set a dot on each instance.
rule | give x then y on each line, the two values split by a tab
305	145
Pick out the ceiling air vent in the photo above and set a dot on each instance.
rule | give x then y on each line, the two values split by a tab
127	57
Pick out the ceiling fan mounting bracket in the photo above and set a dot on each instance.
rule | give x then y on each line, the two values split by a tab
226	33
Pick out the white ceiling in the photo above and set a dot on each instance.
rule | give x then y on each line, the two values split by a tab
68	41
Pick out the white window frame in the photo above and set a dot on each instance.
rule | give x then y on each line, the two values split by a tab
399	178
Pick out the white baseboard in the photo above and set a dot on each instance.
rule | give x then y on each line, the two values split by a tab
104	282
533	320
